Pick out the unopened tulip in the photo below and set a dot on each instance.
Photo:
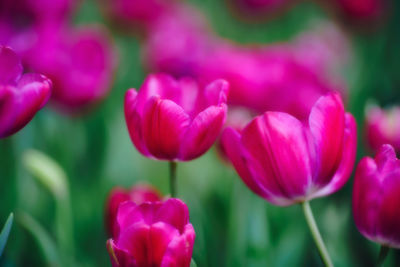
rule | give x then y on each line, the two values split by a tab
383	127
155	234
172	119
376	198
138	194
286	162
21	96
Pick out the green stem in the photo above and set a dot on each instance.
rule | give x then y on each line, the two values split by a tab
316	235
172	178
382	255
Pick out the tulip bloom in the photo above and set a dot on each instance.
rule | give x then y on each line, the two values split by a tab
376	197
21	96
138	194
383	127
174	119
152	234
285	161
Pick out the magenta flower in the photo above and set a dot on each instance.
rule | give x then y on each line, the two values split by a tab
21	96
152	234
138	194
362	9
175	119
376	197
80	62
383	127
285	161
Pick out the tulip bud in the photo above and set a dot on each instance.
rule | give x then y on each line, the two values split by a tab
286	162
138	194
383	127
175	119
152	234
21	96
376	197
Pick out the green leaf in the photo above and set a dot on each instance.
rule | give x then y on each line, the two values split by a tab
47	171
45	242
5	232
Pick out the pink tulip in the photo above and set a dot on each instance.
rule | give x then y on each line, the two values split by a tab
152	234
175	119
21	96
383	127
376	197
80	62
138	194
286	161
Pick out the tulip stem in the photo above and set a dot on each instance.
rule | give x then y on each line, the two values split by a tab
316	235
382	255
172	178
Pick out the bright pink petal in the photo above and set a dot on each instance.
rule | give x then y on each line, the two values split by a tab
134	121
174	212
236	154
10	66
216	93
279	153
327	127
136	241
115	198
161	234
202	132
346	166
164	124
23	102
179	251
119	257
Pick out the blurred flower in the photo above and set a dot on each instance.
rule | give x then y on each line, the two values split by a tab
376	197
362	9
190	42
21	96
80	62
285	161
258	8
152	234
140	13
138	194
383	127
175	119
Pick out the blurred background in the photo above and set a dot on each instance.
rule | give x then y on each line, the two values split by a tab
350	45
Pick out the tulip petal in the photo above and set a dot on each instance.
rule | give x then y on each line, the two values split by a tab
216	93
279	153
22	102
136	240
134	121
10	66
179	251
234	150
202	132
346	166
164	124
161	235
174	212
327	124
119	257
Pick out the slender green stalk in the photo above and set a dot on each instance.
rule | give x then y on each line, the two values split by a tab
316	235
172	178
382	255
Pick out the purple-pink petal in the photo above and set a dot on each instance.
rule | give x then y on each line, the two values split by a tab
10	66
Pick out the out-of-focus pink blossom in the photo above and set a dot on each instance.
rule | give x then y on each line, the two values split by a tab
376	197
152	234
175	119
286	161
142	13
383	127
362	9
80	62
138	194
21	96
259	7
